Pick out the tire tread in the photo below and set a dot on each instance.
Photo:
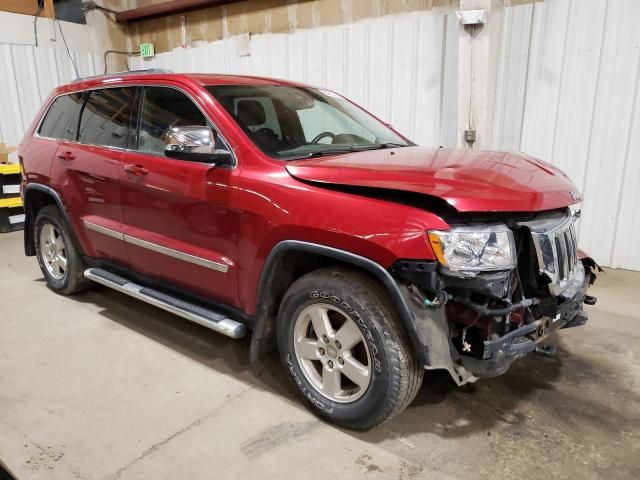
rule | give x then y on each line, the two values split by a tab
75	281
405	371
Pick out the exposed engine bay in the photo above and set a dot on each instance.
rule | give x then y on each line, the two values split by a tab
476	323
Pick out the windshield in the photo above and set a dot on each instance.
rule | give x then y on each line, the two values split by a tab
297	122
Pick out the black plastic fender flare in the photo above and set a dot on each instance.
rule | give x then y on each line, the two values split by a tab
29	248
261	325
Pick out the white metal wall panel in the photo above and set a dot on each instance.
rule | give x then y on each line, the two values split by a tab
449	82
24	65
27	75
393	66
11	122
579	109
610	137
627	226
511	77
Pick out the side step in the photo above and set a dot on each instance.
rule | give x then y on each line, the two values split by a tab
200	315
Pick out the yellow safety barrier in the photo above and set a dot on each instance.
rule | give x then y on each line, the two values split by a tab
11	211
12	202
9	168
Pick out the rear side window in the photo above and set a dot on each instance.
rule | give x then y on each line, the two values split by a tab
61	121
105	117
163	108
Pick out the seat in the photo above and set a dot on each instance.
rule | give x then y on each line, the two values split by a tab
251	113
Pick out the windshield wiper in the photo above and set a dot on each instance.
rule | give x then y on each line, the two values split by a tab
332	151
390	145
348	149
353	148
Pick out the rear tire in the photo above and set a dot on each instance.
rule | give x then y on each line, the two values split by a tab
60	260
365	379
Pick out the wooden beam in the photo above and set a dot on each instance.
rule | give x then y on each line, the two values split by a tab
166	8
27	7
48	11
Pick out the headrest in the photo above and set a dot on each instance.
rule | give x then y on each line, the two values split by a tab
250	113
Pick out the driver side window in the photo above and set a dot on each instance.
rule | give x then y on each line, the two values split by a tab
163	108
324	118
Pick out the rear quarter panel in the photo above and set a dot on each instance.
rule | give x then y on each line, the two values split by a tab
37	153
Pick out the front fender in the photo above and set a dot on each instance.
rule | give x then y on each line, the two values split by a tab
261	340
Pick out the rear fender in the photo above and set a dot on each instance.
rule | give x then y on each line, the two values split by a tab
31	211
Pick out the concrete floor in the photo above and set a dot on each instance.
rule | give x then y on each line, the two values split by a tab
101	386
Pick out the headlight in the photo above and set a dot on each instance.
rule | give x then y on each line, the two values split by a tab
473	249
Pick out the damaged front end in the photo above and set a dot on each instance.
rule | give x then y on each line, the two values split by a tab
475	317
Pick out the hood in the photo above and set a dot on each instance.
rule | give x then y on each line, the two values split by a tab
468	180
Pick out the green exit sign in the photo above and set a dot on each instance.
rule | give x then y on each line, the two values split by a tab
147	50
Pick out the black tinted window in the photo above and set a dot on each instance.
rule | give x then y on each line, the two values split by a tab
105	117
61	120
162	109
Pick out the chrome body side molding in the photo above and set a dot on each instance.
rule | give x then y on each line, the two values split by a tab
104	230
170	252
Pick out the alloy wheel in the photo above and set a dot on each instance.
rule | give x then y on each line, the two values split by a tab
332	353
53	252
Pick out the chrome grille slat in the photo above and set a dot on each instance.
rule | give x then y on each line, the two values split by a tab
556	247
570	251
561	256
565	254
574	242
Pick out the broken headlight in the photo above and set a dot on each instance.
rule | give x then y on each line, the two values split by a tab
473	249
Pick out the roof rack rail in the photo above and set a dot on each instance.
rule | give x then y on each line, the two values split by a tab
129	72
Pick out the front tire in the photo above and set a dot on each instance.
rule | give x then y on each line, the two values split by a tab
60	260
345	349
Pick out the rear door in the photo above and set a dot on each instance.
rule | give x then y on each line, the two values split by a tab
182	227
88	171
60	123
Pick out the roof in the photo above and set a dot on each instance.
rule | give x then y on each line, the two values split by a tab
140	76
221	79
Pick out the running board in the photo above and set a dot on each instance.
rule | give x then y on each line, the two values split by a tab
202	316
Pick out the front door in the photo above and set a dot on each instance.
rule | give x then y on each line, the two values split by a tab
181	227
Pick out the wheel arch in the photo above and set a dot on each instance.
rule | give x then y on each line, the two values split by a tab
35	197
304	257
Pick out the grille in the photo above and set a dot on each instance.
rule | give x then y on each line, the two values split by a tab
557	249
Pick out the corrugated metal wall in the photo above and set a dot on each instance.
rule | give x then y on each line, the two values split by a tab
27	76
394	66
568	93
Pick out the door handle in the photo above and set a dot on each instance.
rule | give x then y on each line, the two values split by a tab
136	170
66	156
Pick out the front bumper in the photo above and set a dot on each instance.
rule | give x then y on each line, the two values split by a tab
499	354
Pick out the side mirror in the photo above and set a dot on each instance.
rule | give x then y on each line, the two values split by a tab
196	144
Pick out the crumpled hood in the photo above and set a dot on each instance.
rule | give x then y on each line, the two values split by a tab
469	180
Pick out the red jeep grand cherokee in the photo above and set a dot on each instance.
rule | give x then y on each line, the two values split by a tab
244	203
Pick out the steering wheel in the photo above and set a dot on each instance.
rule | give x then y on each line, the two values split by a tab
322	135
